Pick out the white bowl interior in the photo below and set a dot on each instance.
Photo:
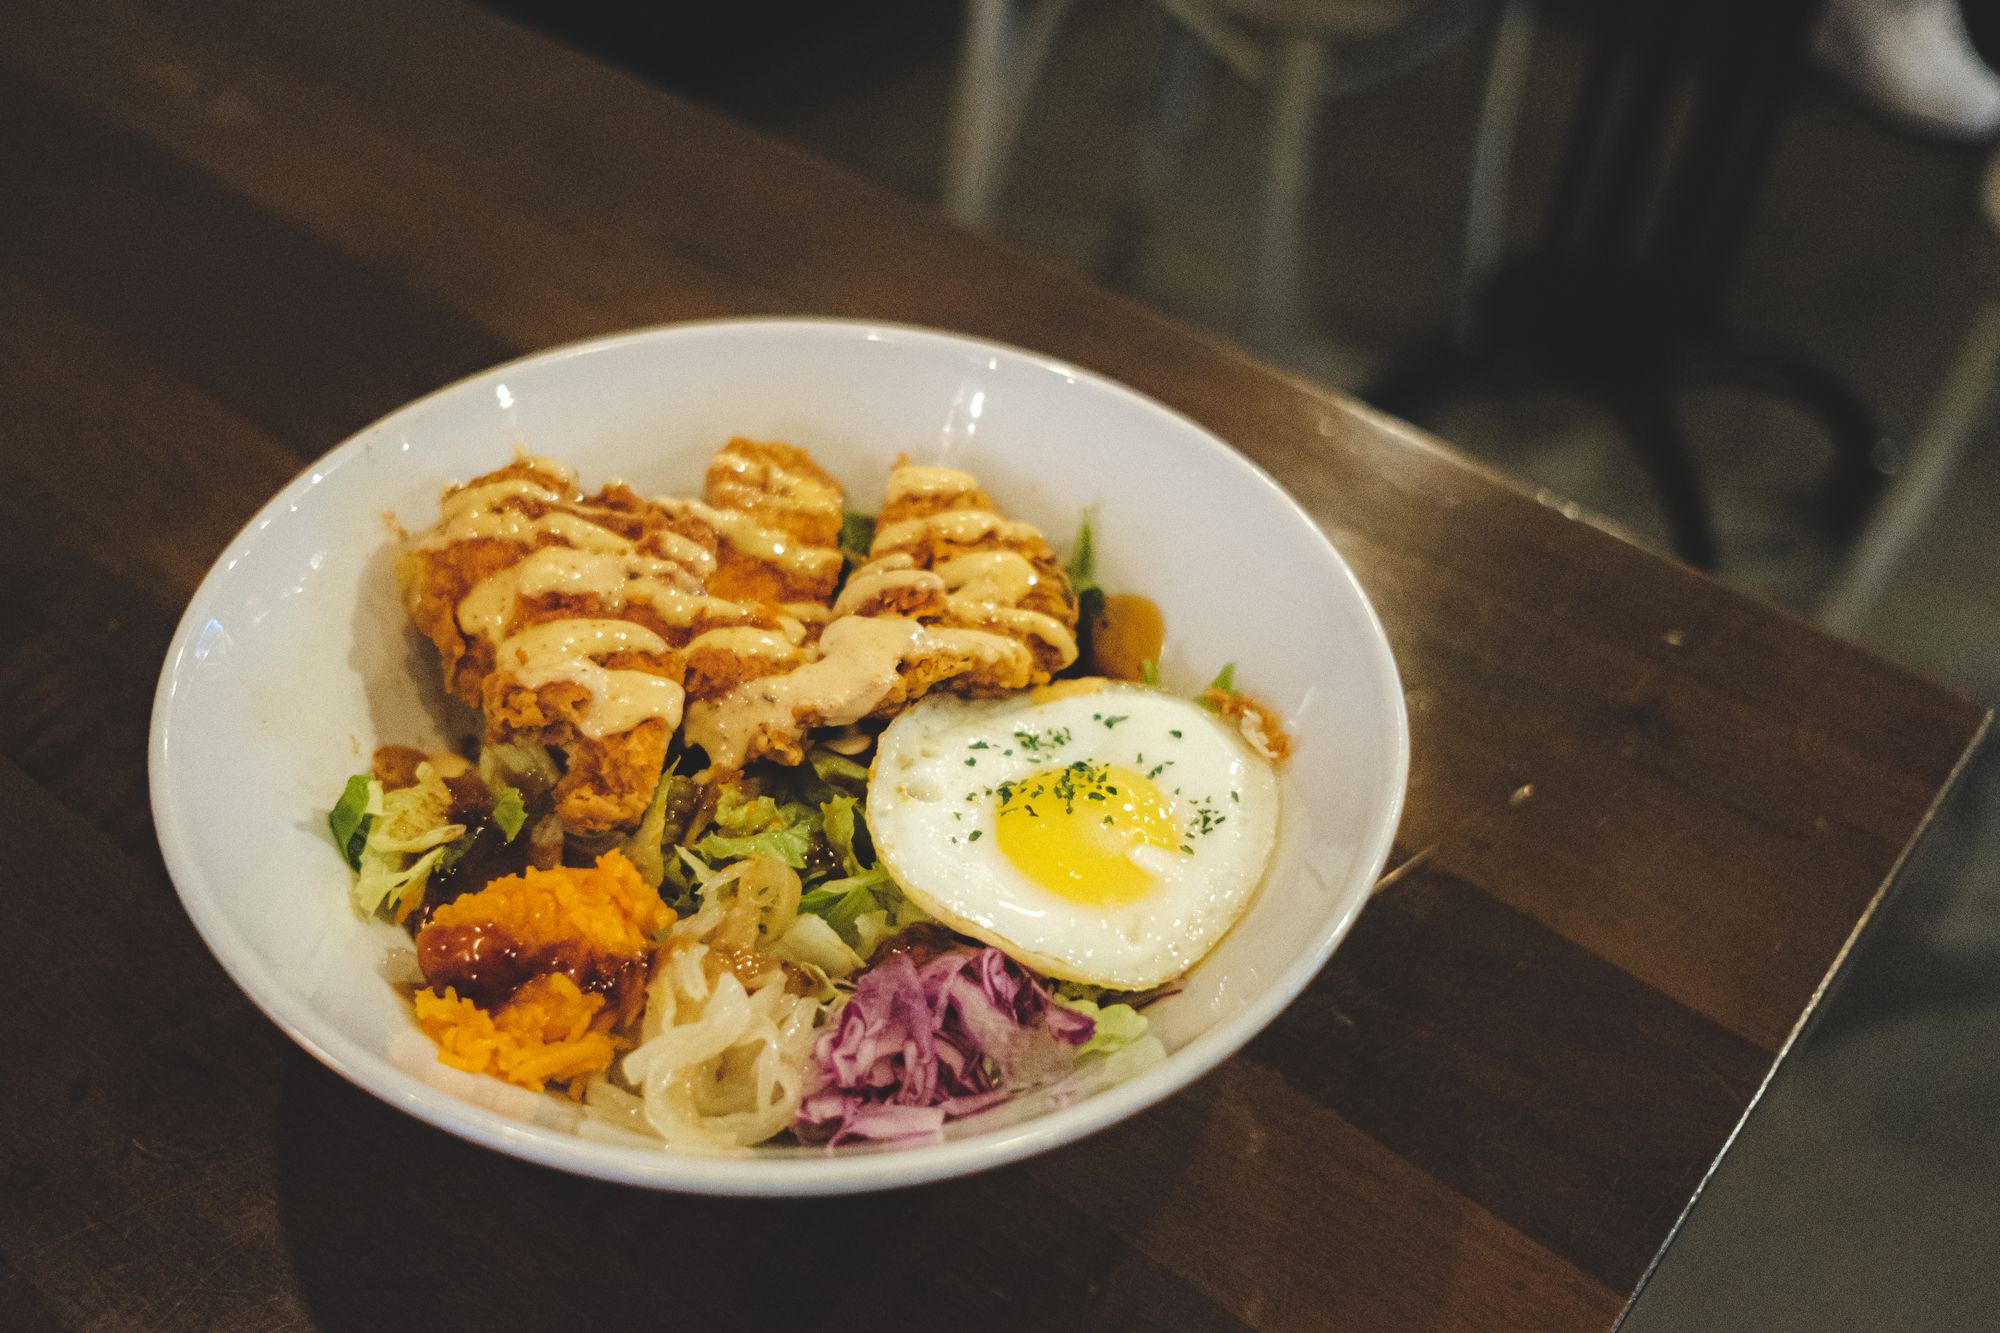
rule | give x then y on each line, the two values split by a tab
294	660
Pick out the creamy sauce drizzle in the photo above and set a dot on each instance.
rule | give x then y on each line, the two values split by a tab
596	560
621	698
962	527
860	663
616	579
749	641
981	588
912	480
759	541
769	482
475	512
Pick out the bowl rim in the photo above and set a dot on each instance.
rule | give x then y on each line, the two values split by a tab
744	1173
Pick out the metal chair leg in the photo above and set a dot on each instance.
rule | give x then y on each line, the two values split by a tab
1296	75
1492	151
1650	420
1925	474
1179	92
1861	445
1006	44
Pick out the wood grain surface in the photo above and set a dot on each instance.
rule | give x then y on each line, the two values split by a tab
1652	814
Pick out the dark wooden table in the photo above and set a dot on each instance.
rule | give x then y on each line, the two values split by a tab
230	236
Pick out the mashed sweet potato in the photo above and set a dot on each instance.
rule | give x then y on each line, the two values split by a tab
532	977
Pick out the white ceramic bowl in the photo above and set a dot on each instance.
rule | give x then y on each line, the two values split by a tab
293	661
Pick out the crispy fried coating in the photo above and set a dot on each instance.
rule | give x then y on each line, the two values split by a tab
559	616
954	595
776	518
989	573
580	621
776	514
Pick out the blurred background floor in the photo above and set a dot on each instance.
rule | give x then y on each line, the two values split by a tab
1865	1191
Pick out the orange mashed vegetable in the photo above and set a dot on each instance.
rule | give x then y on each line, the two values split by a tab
599	920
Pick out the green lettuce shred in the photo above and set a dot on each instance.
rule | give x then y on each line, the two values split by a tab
659	828
838	819
1118	1026
842	902
410	836
857	535
1225	679
836	769
1082	573
352	814
760	826
510	812
530	769
1149	672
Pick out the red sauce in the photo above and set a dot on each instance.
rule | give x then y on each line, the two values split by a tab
487	858
486	965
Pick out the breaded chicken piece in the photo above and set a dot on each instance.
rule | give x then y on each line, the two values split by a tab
489	528
561	616
780	490
984	572
776	516
582	622
954	594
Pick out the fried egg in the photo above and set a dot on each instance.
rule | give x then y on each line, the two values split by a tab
1096	831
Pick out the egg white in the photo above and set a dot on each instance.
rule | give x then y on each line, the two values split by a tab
941	846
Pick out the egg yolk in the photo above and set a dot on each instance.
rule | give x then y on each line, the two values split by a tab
1073	830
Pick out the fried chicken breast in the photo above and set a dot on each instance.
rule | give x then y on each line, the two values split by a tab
954	594
583	622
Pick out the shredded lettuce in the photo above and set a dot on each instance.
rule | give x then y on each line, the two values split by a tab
1225	679
760	826
351	815
814	946
837	769
406	840
837	821
826	842
510	812
1117	1025
844	901
1082	573
666	816
1149	672
790	843
530	769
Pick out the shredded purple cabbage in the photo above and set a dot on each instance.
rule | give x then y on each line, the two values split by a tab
922	1043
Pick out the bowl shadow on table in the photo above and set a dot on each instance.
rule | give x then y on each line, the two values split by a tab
391	1223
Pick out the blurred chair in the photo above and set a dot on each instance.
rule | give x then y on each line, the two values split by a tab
1301	51
1960	406
1620	296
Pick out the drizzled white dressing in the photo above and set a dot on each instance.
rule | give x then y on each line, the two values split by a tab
860	662
621	698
